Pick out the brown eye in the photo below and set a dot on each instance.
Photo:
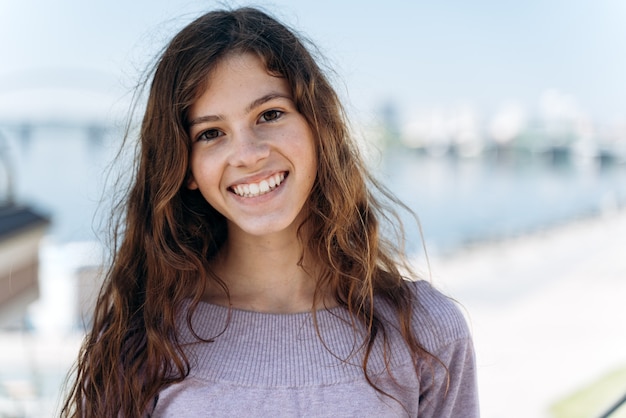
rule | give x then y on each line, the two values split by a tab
271	115
209	135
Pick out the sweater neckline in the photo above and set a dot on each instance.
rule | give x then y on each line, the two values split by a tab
233	311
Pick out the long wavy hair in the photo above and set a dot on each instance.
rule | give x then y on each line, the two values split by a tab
169	234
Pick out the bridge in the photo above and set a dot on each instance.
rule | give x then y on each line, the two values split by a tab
25	130
87	100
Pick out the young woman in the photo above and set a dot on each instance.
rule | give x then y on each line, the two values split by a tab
252	278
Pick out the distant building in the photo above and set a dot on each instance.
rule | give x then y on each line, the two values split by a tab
21	230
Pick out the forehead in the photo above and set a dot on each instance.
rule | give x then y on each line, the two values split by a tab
237	68
234	82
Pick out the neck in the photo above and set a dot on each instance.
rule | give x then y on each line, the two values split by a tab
266	274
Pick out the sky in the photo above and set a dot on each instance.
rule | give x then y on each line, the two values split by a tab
70	58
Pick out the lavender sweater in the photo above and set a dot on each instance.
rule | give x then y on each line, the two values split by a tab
271	365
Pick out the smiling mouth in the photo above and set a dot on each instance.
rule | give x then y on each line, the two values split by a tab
260	188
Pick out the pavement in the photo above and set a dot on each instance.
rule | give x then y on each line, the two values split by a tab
547	310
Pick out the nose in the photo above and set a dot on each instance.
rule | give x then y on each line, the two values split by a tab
248	148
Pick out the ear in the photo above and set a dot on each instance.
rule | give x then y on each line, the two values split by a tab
191	182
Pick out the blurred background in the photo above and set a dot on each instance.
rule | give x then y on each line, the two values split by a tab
501	124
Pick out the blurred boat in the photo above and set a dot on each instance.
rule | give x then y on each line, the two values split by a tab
21	230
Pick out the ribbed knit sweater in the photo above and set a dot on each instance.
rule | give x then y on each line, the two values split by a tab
277	365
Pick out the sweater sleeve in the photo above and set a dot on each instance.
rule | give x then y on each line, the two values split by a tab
448	386
453	394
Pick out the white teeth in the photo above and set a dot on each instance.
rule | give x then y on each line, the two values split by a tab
258	189
264	186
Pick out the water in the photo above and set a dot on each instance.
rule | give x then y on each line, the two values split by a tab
459	201
463	201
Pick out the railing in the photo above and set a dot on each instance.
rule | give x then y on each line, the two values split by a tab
619	404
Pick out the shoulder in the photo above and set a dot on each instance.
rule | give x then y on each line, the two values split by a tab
448	386
438	320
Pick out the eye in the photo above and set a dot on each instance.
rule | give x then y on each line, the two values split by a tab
271	115
209	135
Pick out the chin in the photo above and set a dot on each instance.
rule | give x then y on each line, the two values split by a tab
269	228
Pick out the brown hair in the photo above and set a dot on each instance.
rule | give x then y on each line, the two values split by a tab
170	233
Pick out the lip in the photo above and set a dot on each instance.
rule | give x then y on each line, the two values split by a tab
257	178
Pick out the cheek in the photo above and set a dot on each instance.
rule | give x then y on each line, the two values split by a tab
202	173
307	145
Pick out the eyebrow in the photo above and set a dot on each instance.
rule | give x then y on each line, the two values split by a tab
254	104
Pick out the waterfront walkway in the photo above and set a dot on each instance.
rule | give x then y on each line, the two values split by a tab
548	311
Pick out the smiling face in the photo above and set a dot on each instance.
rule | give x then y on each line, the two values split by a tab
253	155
